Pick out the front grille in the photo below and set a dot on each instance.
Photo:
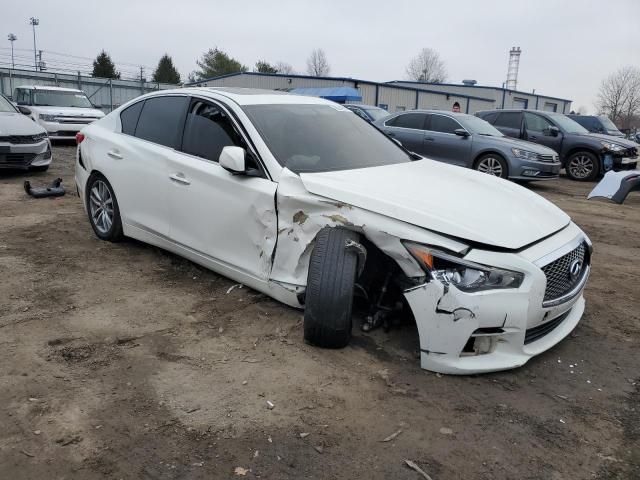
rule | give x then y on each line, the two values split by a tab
558	273
17	159
23	139
548	158
536	333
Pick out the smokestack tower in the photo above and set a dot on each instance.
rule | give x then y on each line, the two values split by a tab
514	64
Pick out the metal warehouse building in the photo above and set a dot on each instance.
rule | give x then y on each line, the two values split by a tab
398	96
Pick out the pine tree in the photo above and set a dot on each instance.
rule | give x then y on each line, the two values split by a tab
215	63
165	72
104	67
265	67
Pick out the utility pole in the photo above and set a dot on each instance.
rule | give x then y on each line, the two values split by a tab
33	22
12	38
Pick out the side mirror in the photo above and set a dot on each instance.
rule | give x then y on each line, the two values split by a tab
24	110
232	159
461	132
554	131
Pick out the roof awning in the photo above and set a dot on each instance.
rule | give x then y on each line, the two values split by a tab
337	94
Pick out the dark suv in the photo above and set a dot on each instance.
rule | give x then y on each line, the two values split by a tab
597	124
584	155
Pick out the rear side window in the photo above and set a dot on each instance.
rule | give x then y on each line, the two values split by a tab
161	120
440	123
509	120
208	130
408	120
489	117
129	118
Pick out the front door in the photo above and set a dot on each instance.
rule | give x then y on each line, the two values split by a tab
229	218
537	131
442	144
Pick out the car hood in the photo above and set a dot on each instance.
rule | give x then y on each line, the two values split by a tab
446	199
70	111
515	143
610	138
14	123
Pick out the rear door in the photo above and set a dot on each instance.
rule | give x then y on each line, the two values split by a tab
537	130
229	218
408	129
135	161
509	123
442	144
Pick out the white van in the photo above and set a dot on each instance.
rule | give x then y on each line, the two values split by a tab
63	112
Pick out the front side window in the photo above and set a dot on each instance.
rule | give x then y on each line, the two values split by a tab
208	130
443	124
414	121
536	122
161	120
60	98
322	138
509	120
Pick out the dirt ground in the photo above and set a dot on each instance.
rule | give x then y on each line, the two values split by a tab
123	361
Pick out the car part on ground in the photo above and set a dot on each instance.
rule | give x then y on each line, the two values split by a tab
468	141
584	155
298	166
617	185
54	190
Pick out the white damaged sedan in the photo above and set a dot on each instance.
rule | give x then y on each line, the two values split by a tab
301	199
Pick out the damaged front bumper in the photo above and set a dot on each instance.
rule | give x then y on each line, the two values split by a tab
469	333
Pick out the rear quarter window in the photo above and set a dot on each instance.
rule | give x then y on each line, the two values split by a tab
129	118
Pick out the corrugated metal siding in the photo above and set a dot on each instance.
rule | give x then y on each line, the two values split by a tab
397	99
99	90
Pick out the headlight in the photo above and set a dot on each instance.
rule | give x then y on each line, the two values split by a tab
526	154
48	118
464	275
614	147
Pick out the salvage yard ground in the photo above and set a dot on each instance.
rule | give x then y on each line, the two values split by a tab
124	361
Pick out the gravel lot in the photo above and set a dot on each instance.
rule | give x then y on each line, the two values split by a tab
124	361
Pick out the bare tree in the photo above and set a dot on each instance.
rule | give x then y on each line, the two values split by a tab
619	95
427	67
285	68
317	63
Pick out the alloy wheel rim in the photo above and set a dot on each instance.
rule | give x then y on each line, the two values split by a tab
581	166
101	206
490	165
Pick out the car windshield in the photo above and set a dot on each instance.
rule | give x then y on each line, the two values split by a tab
58	98
566	124
608	124
6	106
322	138
477	126
376	113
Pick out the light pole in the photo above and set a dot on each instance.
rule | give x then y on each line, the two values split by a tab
34	21
12	38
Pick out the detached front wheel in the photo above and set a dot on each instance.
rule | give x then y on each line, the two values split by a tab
329	295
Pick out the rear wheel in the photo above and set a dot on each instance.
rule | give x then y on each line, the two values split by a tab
102	208
582	166
330	283
492	164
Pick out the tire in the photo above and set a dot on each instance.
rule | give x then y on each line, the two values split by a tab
329	295
40	168
582	166
492	164
99	196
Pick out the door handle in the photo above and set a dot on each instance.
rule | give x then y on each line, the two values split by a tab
429	139
180	178
114	154
533	137
391	134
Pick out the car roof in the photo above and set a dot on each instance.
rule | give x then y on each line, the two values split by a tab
441	112
251	96
47	87
518	110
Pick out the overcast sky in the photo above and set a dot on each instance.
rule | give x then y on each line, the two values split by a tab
568	46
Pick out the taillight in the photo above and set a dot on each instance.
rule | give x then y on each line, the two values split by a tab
79	138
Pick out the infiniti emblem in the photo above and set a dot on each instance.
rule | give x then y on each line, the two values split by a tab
575	268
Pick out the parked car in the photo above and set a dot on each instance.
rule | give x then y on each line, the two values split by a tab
368	112
297	198
468	141
597	124
61	111
583	155
23	143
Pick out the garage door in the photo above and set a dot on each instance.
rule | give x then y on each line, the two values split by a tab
520	103
550	107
